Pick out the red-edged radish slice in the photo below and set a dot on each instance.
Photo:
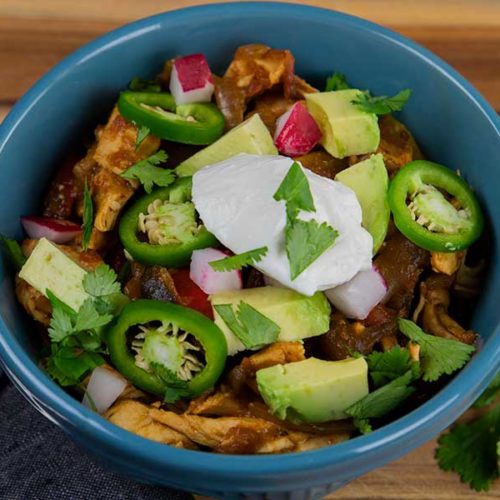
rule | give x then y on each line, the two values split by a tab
56	230
360	295
191	80
104	388
296	131
206	278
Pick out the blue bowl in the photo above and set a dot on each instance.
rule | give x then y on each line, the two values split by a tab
452	122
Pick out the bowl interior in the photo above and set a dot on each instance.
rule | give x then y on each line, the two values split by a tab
452	126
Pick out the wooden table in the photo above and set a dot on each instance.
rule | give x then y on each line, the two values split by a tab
36	34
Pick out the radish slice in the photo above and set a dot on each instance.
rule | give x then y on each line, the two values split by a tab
296	131
206	278
191	80
104	387
360	295
56	230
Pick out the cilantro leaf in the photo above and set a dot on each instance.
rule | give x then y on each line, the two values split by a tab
68	364
363	425
305	242
295	191
336	81
386	366
13	251
176	387
439	356
88	318
239	261
251	327
142	133
148	174
382	105
61	324
88	217
383	400
101	281
490	394
471	450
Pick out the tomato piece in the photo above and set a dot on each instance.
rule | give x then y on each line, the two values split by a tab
190	293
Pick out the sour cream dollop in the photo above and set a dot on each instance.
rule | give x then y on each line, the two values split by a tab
234	199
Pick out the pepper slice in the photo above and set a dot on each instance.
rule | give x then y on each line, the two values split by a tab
197	123
430	220
166	219
169	345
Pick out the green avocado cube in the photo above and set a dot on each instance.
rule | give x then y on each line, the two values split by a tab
313	390
370	182
49	268
251	137
347	130
297	315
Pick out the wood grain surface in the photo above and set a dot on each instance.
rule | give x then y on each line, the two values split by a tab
36	34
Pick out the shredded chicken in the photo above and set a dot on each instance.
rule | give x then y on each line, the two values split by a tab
254	69
115	149
276	354
270	106
435	295
446	263
140	419
243	434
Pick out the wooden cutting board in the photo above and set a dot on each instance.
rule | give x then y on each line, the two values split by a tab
36	34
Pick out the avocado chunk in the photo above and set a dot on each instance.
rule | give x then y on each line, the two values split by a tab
313	390
347	130
370	182
297	315
49	268
251	137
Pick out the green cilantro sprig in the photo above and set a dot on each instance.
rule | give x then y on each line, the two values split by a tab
142	133
148	173
251	327
337	81
88	216
239	261
305	241
381	401
13	251
382	105
490	394
472	450
76	343
176	387
439	356
387	366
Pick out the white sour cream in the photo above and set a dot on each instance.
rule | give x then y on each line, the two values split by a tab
234	199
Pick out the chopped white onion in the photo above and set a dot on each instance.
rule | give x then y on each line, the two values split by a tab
209	280
104	387
360	295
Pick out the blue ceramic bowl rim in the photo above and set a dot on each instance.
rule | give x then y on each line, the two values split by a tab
453	399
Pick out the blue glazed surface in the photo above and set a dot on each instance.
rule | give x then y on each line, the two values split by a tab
452	122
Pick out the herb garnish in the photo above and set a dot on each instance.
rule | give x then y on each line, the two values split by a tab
251	327
148	174
387	366
142	133
305	241
77	346
439	356
382	105
378	403
337	81
13	251
240	260
88	217
176	387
